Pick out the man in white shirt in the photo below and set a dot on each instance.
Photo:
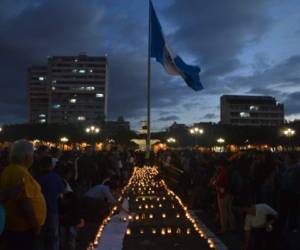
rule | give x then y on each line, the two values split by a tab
259	220
101	192
99	199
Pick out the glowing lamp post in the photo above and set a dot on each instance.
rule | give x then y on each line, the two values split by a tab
171	140
221	142
289	133
64	140
196	132
93	131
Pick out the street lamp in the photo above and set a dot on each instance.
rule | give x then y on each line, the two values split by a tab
171	140
93	131
196	132
289	133
220	140
64	140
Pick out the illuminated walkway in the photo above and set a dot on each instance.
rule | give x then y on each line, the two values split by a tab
158	219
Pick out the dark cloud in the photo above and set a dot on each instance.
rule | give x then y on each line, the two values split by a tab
169	118
207	33
216	33
292	103
210	116
275	78
264	91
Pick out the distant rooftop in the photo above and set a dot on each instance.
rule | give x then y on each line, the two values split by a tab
238	99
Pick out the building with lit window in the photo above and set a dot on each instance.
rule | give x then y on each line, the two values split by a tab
38	94
75	90
251	110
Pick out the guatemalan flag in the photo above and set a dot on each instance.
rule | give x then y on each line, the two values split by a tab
173	64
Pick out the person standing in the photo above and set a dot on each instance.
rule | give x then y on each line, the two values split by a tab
223	197
289	197
52	186
26	212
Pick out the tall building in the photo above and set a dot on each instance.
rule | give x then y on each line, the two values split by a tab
74	88
251	110
38	94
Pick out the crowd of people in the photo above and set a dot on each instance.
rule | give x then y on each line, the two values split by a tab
47	196
253	191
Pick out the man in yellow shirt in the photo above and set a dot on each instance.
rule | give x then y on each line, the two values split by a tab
26	212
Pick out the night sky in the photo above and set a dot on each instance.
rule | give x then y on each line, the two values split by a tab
242	47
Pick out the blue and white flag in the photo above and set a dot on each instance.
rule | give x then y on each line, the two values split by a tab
173	64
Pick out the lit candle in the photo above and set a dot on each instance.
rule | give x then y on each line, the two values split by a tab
178	215
163	216
188	231
146	206
142	231
137	217
169	230
178	230
128	231
160	205
163	231
150	216
153	231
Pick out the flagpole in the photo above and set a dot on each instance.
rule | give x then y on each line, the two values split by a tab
148	141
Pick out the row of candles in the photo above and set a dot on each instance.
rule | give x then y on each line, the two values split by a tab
144	217
142	181
163	231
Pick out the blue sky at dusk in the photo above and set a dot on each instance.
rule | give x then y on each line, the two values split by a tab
242	47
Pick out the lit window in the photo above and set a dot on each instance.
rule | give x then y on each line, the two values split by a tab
81	118
42	115
56	106
53	88
53	81
254	108
74	70
42	120
91	71
99	95
41	78
90	88
244	114
82	71
73	100
76	60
